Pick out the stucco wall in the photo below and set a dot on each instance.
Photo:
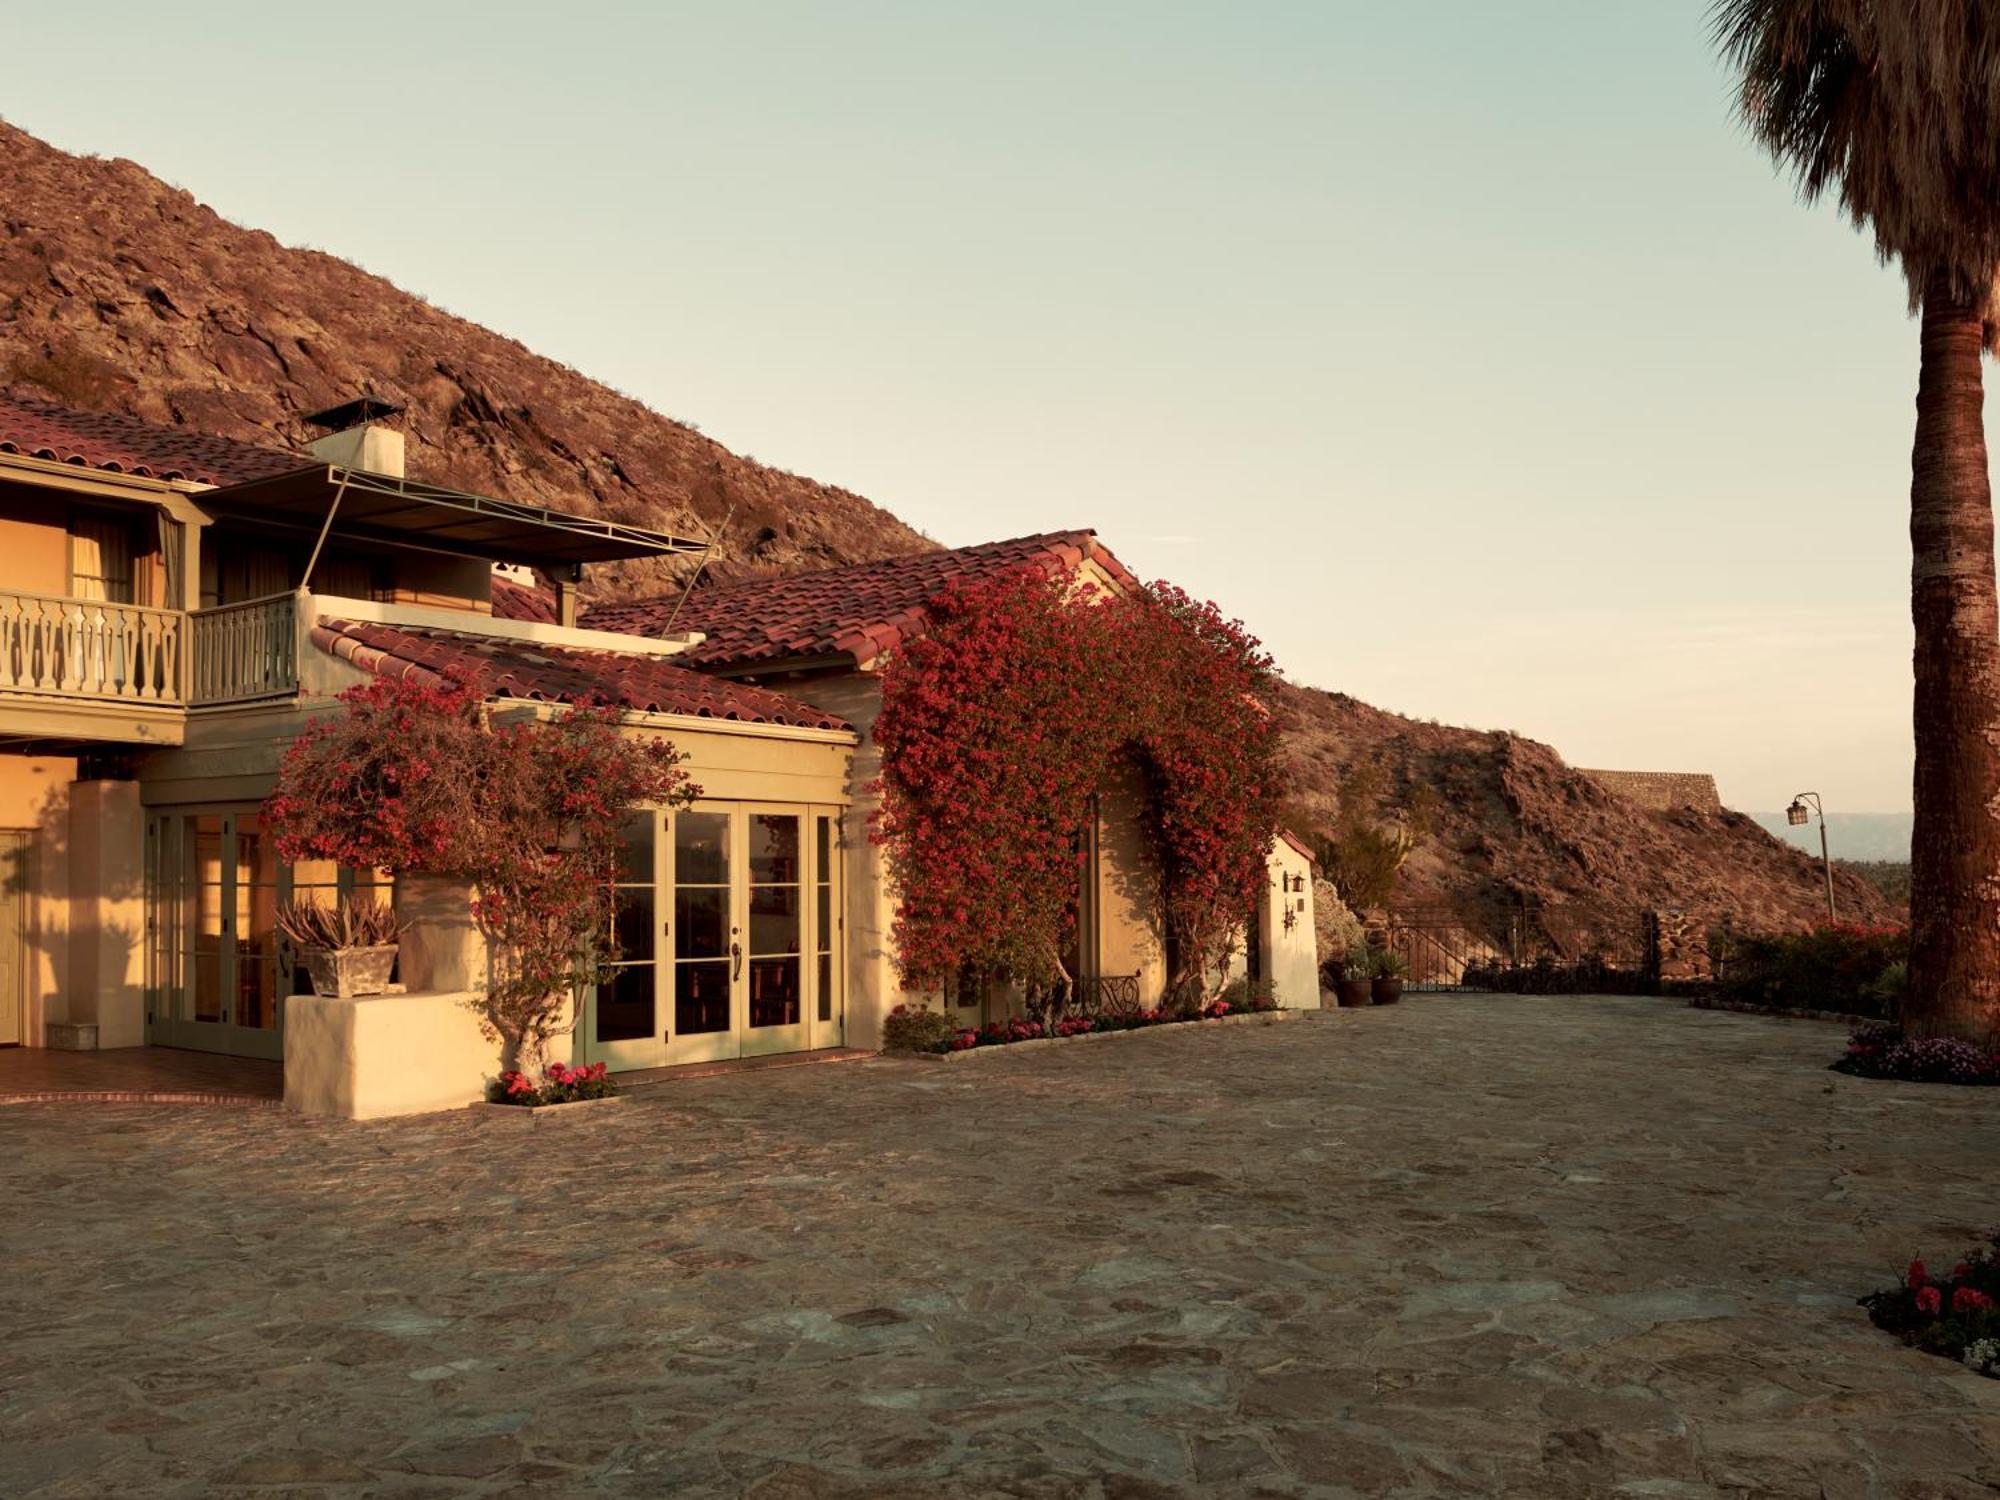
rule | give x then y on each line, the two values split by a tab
34	544
1128	888
107	912
377	1056
34	797
1290	952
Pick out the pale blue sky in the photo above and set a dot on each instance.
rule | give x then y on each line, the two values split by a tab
1467	351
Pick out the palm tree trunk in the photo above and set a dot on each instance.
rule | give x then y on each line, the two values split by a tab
1955	845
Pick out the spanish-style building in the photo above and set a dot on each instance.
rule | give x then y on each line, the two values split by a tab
174	607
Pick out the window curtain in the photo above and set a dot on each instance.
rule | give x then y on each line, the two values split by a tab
100	559
172	561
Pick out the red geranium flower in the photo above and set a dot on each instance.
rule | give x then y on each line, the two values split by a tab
1930	1301
1968	1299
1917	1277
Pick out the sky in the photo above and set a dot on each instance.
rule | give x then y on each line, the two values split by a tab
1469	353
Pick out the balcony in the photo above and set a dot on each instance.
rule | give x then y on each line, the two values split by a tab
86	669
244	652
90	651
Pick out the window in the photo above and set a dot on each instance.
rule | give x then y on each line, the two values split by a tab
101	563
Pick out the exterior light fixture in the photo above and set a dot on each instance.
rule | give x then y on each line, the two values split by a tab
1798	817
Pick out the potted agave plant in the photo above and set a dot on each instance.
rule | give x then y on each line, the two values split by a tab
348	949
1386	970
1354	984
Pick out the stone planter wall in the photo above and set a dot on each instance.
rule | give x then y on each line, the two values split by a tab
374	1056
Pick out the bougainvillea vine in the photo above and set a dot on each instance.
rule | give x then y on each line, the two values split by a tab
1024	699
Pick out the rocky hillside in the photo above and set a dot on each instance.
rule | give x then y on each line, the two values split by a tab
121	293
1513	823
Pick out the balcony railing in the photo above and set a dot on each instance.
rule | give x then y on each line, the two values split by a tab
245	651
89	649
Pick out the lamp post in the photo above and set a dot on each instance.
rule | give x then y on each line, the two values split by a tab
1798	817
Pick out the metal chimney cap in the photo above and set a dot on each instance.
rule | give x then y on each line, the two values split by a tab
362	409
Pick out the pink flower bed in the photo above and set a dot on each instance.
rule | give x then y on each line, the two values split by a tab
561	1084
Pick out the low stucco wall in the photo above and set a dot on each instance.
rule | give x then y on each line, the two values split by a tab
382	1055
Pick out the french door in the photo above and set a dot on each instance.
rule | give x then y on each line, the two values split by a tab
726	933
213	913
217	973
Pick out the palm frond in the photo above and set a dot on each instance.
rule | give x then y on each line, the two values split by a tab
1892	106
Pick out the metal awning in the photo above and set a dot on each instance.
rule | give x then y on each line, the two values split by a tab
409	513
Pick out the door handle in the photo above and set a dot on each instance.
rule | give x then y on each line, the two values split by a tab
736	952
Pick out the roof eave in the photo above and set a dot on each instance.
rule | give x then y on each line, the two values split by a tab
460	523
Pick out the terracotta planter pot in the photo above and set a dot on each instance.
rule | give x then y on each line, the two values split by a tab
1356	992
1386	991
347	972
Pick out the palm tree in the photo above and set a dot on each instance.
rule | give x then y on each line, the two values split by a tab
1893	106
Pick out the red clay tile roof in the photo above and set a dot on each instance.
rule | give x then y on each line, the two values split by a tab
1299	844
515	601
125	445
539	672
859	611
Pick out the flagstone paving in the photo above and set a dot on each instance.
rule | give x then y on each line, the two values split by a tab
1464	1246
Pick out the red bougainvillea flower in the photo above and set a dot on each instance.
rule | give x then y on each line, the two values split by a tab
1917	1277
1930	1301
1969	1299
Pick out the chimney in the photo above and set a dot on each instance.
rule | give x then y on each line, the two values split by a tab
357	437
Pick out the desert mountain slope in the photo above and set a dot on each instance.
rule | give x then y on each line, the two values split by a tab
1512	823
121	293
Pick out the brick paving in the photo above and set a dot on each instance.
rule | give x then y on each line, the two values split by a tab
160	1075
1462	1246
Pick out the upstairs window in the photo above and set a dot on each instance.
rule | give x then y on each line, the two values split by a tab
101	558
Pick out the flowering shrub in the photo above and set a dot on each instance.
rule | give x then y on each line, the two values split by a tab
1858	970
1957	1316
411	777
1590	975
1884	1052
916	1030
561	1084
1000	725
392	782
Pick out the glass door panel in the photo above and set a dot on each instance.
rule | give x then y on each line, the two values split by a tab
203	910
773	982
255	926
707	945
829	1021
623	1027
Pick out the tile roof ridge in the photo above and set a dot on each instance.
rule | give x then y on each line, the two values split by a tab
772	580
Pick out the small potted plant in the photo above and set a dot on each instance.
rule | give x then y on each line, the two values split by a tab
348	949
1354	985
1386	972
